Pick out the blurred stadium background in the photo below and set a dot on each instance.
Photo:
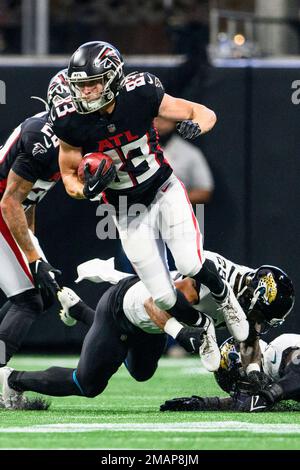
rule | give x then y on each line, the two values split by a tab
241	58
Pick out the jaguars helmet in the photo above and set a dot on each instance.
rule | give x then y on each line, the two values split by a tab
269	291
97	62
228	373
58	89
231	374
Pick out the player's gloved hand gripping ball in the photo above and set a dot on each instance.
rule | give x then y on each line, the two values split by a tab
96	171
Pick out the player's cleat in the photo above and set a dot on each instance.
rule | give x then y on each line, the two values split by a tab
209	350
234	316
68	298
12	399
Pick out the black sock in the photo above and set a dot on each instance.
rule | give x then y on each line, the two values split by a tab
83	313
56	381
209	276
183	311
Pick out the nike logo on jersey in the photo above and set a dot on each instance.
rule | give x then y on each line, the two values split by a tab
274	358
254	401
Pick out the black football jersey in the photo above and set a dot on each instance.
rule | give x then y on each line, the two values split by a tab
127	135
31	151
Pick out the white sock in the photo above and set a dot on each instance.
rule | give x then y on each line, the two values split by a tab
172	327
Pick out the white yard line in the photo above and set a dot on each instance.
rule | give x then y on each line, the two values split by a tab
187	365
187	427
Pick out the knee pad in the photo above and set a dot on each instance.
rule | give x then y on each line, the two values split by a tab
30	299
166	301
188	269
92	390
142	376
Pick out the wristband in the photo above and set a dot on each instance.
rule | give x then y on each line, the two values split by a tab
173	327
252	367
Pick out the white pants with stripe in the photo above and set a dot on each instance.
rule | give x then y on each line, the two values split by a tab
15	276
168	220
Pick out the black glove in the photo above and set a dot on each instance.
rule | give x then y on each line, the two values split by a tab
273	393
195	403
192	403
96	183
258	381
43	280
190	338
251	403
188	129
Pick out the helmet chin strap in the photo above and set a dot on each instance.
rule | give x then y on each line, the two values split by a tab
257	293
239	294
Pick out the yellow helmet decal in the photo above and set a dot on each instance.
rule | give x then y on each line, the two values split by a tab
269	285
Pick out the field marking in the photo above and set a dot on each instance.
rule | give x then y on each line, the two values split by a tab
188	366
50	360
187	427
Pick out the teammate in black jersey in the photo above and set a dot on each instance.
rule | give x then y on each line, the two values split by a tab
28	169
114	114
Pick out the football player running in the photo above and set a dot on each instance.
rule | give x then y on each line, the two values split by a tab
280	370
28	170
114	114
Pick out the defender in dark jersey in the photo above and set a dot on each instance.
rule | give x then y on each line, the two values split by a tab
114	114
28	170
280	367
111	340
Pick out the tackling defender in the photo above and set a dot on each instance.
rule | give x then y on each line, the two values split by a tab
280	367
114	114
123	331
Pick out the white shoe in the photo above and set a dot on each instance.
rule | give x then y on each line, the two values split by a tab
234	316
10	397
68	298
209	350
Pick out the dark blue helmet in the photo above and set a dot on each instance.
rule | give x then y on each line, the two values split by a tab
269	291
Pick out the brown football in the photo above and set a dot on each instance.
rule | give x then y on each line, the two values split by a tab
93	159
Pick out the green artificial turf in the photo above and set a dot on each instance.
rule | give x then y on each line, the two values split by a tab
127	416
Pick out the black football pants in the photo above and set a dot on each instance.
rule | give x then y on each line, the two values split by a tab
104	349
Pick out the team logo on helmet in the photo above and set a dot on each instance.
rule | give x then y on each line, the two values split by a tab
229	354
267	288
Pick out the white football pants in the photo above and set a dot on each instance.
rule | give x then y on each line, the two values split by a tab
15	275
169	219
